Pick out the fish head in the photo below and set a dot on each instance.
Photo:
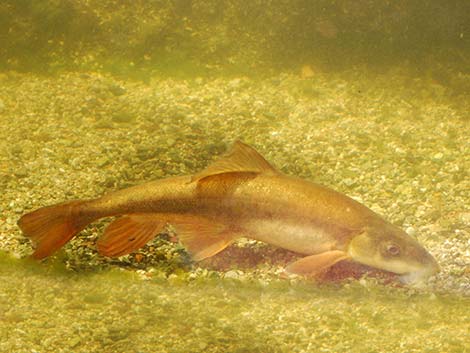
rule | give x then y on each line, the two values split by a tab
389	248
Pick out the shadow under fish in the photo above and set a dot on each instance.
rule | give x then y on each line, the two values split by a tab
247	258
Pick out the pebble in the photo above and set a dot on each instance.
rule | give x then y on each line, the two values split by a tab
116	90
74	342
232	274
349	182
465	217
21	173
411	231
234	83
123	117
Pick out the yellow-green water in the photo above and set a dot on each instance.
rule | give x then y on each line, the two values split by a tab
49	310
369	98
403	152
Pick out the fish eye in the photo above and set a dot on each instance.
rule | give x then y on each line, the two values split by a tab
393	249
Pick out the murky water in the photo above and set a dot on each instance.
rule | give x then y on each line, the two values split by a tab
115	311
97	97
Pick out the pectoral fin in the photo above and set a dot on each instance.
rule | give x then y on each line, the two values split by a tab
313	265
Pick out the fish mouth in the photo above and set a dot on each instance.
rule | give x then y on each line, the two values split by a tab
416	277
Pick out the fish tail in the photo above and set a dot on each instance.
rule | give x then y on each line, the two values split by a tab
52	227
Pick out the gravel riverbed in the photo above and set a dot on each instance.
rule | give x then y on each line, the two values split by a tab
396	143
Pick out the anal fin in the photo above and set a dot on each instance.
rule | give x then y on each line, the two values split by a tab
313	265
129	233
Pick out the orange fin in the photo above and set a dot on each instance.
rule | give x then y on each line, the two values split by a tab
129	233
242	158
52	227
314	265
202	237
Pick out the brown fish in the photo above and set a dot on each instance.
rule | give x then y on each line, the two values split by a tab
238	195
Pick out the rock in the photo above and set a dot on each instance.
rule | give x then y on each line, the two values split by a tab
123	117
97	88
465	217
116	89
349	182
74	342
306	72
232	274
21	173
438	156
411	231
234	83
102	161
117	333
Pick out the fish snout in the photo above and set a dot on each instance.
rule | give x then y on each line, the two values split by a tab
431	268
435	266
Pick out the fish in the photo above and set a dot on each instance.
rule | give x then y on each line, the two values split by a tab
239	195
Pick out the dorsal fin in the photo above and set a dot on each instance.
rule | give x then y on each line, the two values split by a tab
241	158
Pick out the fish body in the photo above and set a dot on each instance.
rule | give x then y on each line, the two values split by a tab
238	195
284	211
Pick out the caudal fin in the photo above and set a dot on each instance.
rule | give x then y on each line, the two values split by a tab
52	227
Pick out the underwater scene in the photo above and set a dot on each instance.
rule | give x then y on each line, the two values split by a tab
234	176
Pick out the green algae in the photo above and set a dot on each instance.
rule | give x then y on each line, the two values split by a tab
116	311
